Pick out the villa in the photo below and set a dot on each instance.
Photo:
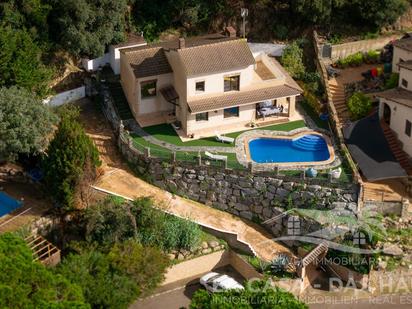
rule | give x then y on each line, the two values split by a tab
206	85
395	107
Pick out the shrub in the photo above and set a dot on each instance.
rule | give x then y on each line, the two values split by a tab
145	265
352	60
28	284
156	228
392	81
359	105
71	161
292	60
256	292
372	56
112	221
104	286
26	124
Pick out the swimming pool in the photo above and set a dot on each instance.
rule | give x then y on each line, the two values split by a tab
305	148
8	204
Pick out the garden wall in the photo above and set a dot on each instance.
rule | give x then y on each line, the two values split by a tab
340	51
66	97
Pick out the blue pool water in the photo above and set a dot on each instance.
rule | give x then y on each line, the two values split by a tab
7	204
308	148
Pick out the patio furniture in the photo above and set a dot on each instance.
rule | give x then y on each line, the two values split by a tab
335	174
215	156
224	139
268	111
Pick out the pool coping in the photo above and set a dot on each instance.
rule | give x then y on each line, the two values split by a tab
244	158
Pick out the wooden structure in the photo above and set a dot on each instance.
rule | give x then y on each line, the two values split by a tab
43	251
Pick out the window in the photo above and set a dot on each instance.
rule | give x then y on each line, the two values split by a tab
202	117
404	83
200	86
148	88
232	83
408	128
231	112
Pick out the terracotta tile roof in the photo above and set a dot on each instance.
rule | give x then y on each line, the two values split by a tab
406	64
197	55
131	39
405	44
397	95
239	98
148	62
212	58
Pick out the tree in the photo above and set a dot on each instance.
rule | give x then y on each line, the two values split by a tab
316	11
257	294
30	15
103	286
71	161
379	13
359	105
28	284
26	124
145	265
292	60
86	27
20	62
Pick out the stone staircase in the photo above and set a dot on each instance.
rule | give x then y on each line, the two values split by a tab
396	148
339	100
316	254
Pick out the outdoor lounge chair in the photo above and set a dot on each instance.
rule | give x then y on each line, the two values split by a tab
335	174
224	139
215	157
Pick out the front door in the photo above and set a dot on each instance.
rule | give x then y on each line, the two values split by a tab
386	113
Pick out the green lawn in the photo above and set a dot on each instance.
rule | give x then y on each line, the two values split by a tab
165	132
161	152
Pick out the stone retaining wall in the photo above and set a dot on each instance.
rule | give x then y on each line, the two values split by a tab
256	197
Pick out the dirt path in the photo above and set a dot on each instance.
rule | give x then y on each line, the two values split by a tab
118	179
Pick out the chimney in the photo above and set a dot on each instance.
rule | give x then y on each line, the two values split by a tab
230	32
182	43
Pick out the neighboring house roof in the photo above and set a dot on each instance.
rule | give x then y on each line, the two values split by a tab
370	149
132	39
397	95
201	55
212	58
239	98
405	44
406	64
148	62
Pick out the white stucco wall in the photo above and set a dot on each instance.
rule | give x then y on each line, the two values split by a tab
399	115
156	103
216	119
66	97
397	55
214	83
93	64
114	56
407	75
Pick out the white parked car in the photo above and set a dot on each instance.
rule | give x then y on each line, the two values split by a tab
215	282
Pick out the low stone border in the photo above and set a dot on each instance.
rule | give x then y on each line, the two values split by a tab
244	137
